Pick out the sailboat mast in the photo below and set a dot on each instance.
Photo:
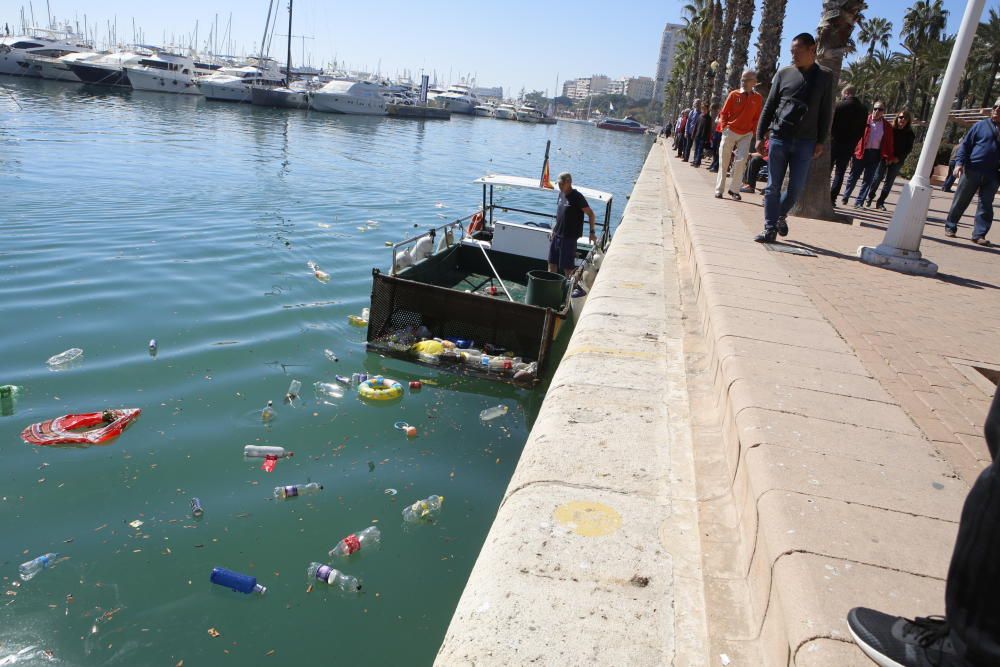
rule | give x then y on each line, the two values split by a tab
288	63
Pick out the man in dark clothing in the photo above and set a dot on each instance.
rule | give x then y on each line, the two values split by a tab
977	164
703	132
969	633
875	146
797	116
689	129
849	120
570	209
950	179
902	144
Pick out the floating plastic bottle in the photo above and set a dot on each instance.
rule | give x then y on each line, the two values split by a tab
262	451
66	357
410	431
35	565
423	510
367	539
329	389
268	413
330	355
490	414
293	391
8	399
153	347
343	379
359	320
196	509
334	577
292	490
239	582
320	274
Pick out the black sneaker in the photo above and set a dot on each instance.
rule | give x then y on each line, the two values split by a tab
881	207
843	201
893	641
767	236
782	226
735	195
950	233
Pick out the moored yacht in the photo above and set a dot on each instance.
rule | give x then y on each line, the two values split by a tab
527	113
487	110
354	97
14	49
459	98
506	112
292	96
165	73
235	84
54	63
107	69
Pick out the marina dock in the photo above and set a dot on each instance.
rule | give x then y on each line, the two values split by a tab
416	111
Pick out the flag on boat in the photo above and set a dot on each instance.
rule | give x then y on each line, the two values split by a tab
545	181
611	106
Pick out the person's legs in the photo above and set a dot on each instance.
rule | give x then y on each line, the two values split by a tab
739	163
699	148
857	166
890	178
729	139
840	157
555	246
777	165
984	214
799	160
950	178
753	171
880	172
716	140
967	187
870	160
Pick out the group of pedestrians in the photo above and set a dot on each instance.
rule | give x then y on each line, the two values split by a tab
788	131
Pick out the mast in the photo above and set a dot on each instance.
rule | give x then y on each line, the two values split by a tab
288	63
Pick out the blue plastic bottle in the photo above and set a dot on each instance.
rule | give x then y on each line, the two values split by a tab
239	582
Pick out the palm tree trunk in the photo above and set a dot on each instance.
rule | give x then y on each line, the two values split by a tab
833	36
772	21
713	52
994	70
741	42
726	42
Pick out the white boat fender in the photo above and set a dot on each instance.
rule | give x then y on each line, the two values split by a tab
422	249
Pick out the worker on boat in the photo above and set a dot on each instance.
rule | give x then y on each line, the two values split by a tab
570	210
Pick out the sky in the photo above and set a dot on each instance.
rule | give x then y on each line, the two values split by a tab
513	43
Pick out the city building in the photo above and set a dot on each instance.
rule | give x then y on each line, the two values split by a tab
599	84
616	87
639	88
665	62
494	94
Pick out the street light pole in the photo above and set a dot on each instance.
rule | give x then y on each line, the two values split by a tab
900	248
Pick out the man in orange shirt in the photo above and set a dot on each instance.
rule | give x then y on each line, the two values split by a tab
738	120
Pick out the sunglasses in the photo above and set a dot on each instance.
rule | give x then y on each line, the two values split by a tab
879	108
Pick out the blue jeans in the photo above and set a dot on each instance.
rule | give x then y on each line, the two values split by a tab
973	181
950	179
699	149
864	168
888	172
786	155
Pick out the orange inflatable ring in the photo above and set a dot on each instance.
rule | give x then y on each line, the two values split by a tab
476	223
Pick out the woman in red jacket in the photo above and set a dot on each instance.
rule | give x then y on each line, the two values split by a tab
875	146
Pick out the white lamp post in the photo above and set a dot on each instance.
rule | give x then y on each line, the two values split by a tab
900	249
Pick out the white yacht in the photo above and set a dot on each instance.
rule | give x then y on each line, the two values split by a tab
14	49
107	69
235	84
357	97
486	110
506	112
54	63
527	113
166	73
459	98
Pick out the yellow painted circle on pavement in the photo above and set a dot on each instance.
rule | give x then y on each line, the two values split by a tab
587	518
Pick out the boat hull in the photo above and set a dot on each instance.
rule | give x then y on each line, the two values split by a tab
284	99
161	81
53	69
13	62
620	128
235	92
456	105
505	114
346	104
100	75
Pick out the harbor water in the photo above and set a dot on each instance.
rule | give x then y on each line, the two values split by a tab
135	216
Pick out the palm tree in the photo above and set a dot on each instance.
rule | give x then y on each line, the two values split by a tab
741	42
923	24
832	38
723	55
989	36
772	21
874	32
715	44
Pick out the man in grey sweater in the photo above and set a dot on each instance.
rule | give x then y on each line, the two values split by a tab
797	116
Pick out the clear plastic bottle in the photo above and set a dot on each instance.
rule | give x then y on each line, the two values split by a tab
334	577
153	347
490	414
66	357
35	565
330	355
423	510
263	451
293	391
292	490
367	539
239	582
267	414
329	389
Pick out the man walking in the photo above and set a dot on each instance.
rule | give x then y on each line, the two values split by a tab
689	129
570	210
703	132
738	119
977	164
849	119
796	115
875	146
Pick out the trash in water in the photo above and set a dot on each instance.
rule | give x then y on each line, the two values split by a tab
490	414
343	379
31	568
334	577
60	431
135	524
371	223
293	391
237	581
268	413
196	509
388	244
391	492
153	347
213	633
330	355
380	388
8	399
410	431
329	389
263	451
416	385
371	466
66	357
283	492
439	205
320	274
425	510
359	320
358	378
369	538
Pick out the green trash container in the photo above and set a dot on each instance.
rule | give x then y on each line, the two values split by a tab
545	289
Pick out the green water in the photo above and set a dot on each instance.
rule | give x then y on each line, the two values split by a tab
131	216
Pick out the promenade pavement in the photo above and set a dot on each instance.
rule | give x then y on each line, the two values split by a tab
851	415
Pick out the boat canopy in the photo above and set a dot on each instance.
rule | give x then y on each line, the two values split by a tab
532	184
